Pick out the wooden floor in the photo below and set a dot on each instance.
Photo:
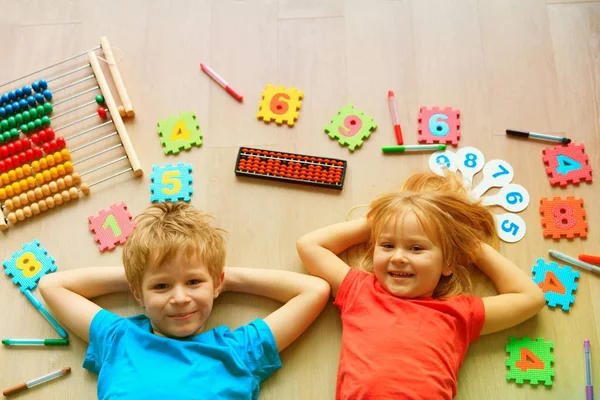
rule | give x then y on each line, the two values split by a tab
521	64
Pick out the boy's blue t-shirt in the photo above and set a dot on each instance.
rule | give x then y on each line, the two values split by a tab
134	363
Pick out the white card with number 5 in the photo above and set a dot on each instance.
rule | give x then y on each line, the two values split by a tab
511	228
513	197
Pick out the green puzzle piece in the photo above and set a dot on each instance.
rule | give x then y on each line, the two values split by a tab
350	127
530	361
177	133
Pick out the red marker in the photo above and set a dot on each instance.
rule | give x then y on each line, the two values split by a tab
208	71
397	129
589	259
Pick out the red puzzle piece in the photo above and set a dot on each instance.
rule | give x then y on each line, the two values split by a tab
567	164
111	226
563	217
438	125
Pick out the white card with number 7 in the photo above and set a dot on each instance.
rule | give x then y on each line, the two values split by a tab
496	173
469	161
513	197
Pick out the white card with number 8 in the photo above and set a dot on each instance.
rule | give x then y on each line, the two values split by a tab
511	228
469	161
496	173
442	160
513	197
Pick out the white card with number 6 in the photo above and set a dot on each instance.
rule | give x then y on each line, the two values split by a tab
513	197
511	228
469	161
442	160
496	173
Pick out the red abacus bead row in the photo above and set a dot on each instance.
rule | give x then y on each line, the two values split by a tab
298	157
54	145
15	147
20	159
41	178
291	170
38	165
43	191
43	136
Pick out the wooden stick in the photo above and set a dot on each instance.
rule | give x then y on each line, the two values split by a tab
3	224
114	113
127	109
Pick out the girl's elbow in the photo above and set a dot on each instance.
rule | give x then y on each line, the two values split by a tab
539	300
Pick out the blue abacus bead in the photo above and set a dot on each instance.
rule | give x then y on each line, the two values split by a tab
2	112
12	96
31	101
9	109
39	98
43	84
23	104
4	99
48	94
26	90
35	86
19	93
16	107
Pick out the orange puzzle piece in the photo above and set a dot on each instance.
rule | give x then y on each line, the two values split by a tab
552	284
563	217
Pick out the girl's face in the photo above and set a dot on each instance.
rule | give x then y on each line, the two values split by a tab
406	261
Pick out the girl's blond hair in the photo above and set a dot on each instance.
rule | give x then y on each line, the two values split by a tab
165	229
457	223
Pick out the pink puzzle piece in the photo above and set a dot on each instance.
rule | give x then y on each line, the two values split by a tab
567	164
111	226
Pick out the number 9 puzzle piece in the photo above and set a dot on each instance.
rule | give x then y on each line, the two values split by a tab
178	133
530	361
563	217
29	265
439	125
111	226
350	127
567	164
280	105
171	182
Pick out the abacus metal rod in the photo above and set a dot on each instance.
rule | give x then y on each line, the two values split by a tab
94	142
75	95
89	130
54	117
76	122
87	78
110	177
88	65
51	66
116	146
104	165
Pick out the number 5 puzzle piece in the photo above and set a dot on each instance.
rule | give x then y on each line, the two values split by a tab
350	127
438	125
530	361
558	284
563	217
27	266
567	164
171	182
280	105
180	132
111	226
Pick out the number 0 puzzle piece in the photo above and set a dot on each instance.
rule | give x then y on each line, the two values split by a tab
350	127
438	125
567	164
530	361
27	266
180	132
111	226
171	182
563	217
558	284
280	105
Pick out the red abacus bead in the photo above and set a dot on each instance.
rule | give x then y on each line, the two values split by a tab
61	142
22	158
3	152
9	164
102	112
46	148
15	160
42	136
26	143
29	154
49	133
18	146
35	139
2	166
11	149
37	153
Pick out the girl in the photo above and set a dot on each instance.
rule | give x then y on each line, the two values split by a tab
408	320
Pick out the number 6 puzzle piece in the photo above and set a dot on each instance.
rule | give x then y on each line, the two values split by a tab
171	182
111	226
350	127
530	361
558	284
280	105
563	217
29	265
439	125
180	132
567	164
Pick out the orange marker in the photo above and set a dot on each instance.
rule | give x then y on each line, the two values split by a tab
34	382
209	71
589	259
397	129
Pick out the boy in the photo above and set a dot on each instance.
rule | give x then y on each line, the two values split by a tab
174	266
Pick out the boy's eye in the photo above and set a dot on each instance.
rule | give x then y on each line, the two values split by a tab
194	281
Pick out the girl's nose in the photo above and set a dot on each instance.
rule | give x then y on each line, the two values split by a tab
399	256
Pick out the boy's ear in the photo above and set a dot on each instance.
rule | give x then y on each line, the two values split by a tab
137	295
219	286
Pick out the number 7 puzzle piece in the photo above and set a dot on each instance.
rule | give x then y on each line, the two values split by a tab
530	361
280	105
563	217
350	127
27	266
180	132
171	182
558	284
567	164
111	226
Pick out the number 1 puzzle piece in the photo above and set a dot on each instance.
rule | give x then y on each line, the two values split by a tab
350	127
438	125
111	226
567	164
29	265
558	284
563	217
280	105
180	132
530	361
171	182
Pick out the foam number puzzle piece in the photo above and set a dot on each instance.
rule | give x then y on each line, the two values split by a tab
567	164
177	133
350	127
558	284
530	361
438	125
280	105
27	266
563	217
171	182
111	226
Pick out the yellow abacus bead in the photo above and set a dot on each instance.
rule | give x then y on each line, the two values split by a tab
23	184
74	193
68	180
4	178
76	178
53	187
43	163
69	166
20	215
31	182
85	188
35	208
43	205
61	183
31	195
16	202
12	218
39	178
58	199
50	160
65	196
12	175
50	202
23	198
27	169
61	169
53	172
47	176
3	195
36	166
19	173
65	154
9	191
16	187
9	205
58	157
27	212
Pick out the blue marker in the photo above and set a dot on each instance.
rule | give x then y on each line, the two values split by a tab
46	314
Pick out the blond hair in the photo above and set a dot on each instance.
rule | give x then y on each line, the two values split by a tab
166	229
457	223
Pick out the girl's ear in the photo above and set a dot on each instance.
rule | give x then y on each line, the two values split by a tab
137	295
447	270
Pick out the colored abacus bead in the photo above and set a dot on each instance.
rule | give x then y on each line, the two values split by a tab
24	128
48	108
4	99
48	94
31	101
45	120
2	112
19	119
33	113
85	188
102	112
35	208
12	95
26	90
39	98
43	84
61	142
23	104
100	99
35	86
19	93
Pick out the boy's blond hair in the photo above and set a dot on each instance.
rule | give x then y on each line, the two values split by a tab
166	229
457	223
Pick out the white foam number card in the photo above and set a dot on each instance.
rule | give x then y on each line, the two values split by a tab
512	197
510	227
442	160
469	161
496	173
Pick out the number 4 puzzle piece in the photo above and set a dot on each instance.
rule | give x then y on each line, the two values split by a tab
28	265
280	105
563	217
438	125
171	182
567	164
530	361
111	226
350	127
558	284
180	132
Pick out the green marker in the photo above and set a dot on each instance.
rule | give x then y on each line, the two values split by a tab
413	147
35	342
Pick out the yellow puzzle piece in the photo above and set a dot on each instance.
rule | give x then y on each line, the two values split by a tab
280	105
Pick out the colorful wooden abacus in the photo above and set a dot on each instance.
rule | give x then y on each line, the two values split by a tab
36	170
291	168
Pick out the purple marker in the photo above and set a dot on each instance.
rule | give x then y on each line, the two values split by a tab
589	389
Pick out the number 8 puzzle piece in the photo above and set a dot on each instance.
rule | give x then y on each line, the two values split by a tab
439	125
563	217
111	226
171	182
280	105
350	127
178	133
29	265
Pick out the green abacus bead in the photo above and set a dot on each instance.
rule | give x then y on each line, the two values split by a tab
45	120
40	110
3	125
11	122
38	123
14	133
100	99
6	136
19	119
31	125
33	113
24	128
1	138
48	108
26	116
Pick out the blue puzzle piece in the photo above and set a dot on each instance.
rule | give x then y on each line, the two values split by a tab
171	182
565	275
29	265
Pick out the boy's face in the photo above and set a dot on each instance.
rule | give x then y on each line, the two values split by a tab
178	296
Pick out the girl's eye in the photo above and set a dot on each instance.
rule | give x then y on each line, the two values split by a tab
416	248
387	246
160	286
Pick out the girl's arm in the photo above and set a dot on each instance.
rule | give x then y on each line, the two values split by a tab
304	298
519	297
67	293
318	250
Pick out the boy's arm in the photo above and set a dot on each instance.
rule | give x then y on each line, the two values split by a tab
304	298
67	293
318	250
519	298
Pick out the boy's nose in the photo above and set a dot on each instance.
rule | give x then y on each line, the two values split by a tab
179	295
